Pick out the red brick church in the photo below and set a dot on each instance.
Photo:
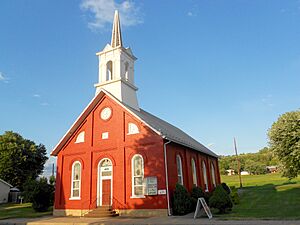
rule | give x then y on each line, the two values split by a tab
120	156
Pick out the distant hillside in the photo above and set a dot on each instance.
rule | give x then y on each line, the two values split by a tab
255	163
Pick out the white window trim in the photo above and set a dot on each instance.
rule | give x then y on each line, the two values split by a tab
205	176
213	175
132	177
180	169
72	187
80	137
194	172
129	130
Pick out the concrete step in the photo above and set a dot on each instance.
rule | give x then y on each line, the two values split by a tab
103	211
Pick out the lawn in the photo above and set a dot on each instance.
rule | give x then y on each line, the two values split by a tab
267	196
20	211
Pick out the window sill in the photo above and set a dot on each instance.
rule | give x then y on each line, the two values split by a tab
138	196
132	133
75	198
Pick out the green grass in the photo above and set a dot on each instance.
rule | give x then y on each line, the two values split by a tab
267	196
20	211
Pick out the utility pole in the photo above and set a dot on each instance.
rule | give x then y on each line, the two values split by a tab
238	163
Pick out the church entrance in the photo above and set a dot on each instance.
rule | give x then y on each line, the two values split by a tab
104	183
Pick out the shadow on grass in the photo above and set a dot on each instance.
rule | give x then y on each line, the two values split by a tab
8	211
268	201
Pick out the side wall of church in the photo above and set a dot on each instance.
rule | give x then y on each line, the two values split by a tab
186	155
119	147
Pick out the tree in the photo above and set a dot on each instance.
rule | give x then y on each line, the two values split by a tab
20	159
284	137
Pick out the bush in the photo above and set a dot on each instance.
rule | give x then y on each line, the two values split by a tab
226	188
234	195
40	193
220	200
195	194
181	200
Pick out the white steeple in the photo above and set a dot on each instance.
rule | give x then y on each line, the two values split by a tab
116	37
116	68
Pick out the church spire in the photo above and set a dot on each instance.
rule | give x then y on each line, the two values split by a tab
116	37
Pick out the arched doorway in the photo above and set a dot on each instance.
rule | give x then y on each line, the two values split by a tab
105	175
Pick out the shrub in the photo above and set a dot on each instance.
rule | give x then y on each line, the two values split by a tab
181	200
40	193
226	188
234	195
195	194
220	200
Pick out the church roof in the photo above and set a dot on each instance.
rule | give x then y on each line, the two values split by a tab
170	132
161	127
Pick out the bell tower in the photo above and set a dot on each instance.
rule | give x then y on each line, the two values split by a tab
116	68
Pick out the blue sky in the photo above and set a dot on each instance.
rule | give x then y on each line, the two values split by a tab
216	69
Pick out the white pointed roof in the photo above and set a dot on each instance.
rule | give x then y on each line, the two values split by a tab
116	37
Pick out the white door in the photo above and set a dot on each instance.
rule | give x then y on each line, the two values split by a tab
104	183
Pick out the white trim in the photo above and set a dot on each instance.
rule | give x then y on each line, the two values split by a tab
74	198
213	175
180	169
99	182
167	177
132	128
138	196
194	172
72	181
132	177
4	182
204	172
80	137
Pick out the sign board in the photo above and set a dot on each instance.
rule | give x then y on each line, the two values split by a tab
202	204
151	185
162	192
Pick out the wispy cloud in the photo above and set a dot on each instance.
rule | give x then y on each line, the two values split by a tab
210	145
44	104
102	12
36	96
191	14
3	78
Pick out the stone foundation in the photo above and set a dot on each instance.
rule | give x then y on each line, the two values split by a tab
122	212
69	212
143	212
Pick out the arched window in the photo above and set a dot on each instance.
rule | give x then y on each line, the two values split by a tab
137	167
126	71
133	128
194	173
76	180
179	169
204	175
109	70
213	176
80	137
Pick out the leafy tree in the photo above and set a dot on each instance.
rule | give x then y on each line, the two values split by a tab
284	137
20	159
255	163
181	200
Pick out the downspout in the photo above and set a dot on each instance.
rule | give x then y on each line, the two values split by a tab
167	179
